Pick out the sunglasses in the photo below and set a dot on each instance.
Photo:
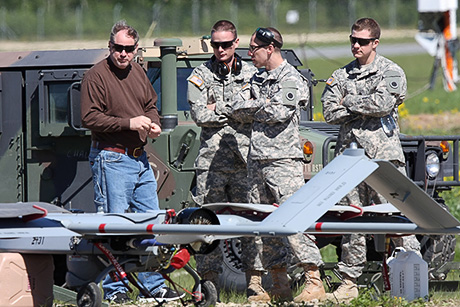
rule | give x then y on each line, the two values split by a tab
224	45
120	48
361	41
253	49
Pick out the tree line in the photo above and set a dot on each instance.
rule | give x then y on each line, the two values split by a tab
92	19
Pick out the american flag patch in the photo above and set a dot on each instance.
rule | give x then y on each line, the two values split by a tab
329	81
196	80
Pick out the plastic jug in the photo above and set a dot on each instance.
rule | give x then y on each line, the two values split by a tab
408	276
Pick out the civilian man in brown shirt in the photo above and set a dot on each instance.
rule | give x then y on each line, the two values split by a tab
118	105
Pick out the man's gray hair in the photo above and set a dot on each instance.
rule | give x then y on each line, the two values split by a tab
122	25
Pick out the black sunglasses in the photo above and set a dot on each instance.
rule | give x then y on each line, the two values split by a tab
266	36
253	49
120	48
224	45
361	41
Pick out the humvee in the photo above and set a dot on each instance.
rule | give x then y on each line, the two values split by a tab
44	148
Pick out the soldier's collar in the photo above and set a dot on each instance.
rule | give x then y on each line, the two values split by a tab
366	69
274	73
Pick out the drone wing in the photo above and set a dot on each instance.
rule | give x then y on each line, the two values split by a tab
299	213
412	201
296	214
322	192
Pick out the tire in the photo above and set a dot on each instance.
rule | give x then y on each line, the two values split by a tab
89	296
234	279
208	294
437	251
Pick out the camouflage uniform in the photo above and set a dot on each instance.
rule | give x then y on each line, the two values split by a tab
221	164
275	156
364	100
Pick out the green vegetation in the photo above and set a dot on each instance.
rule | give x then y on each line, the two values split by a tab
90	19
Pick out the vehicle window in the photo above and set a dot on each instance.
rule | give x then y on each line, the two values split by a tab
57	101
182	84
53	99
182	74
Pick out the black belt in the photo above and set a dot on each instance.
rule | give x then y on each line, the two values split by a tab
135	152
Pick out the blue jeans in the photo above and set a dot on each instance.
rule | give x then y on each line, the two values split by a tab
123	183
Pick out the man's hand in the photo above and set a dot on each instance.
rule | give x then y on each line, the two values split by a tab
140	123
145	127
154	131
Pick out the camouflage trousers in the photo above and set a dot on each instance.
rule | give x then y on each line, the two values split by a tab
273	181
220	186
354	249
228	185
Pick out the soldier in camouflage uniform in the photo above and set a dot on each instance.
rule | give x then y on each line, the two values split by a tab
363	97
275	159
221	165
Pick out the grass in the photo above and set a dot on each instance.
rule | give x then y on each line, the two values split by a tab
367	297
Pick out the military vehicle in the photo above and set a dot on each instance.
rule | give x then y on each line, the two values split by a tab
44	148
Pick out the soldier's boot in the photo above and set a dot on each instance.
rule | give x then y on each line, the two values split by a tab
347	291
314	288
281	291
255	292
213	277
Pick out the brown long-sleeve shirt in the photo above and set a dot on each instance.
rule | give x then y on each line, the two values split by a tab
110	97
